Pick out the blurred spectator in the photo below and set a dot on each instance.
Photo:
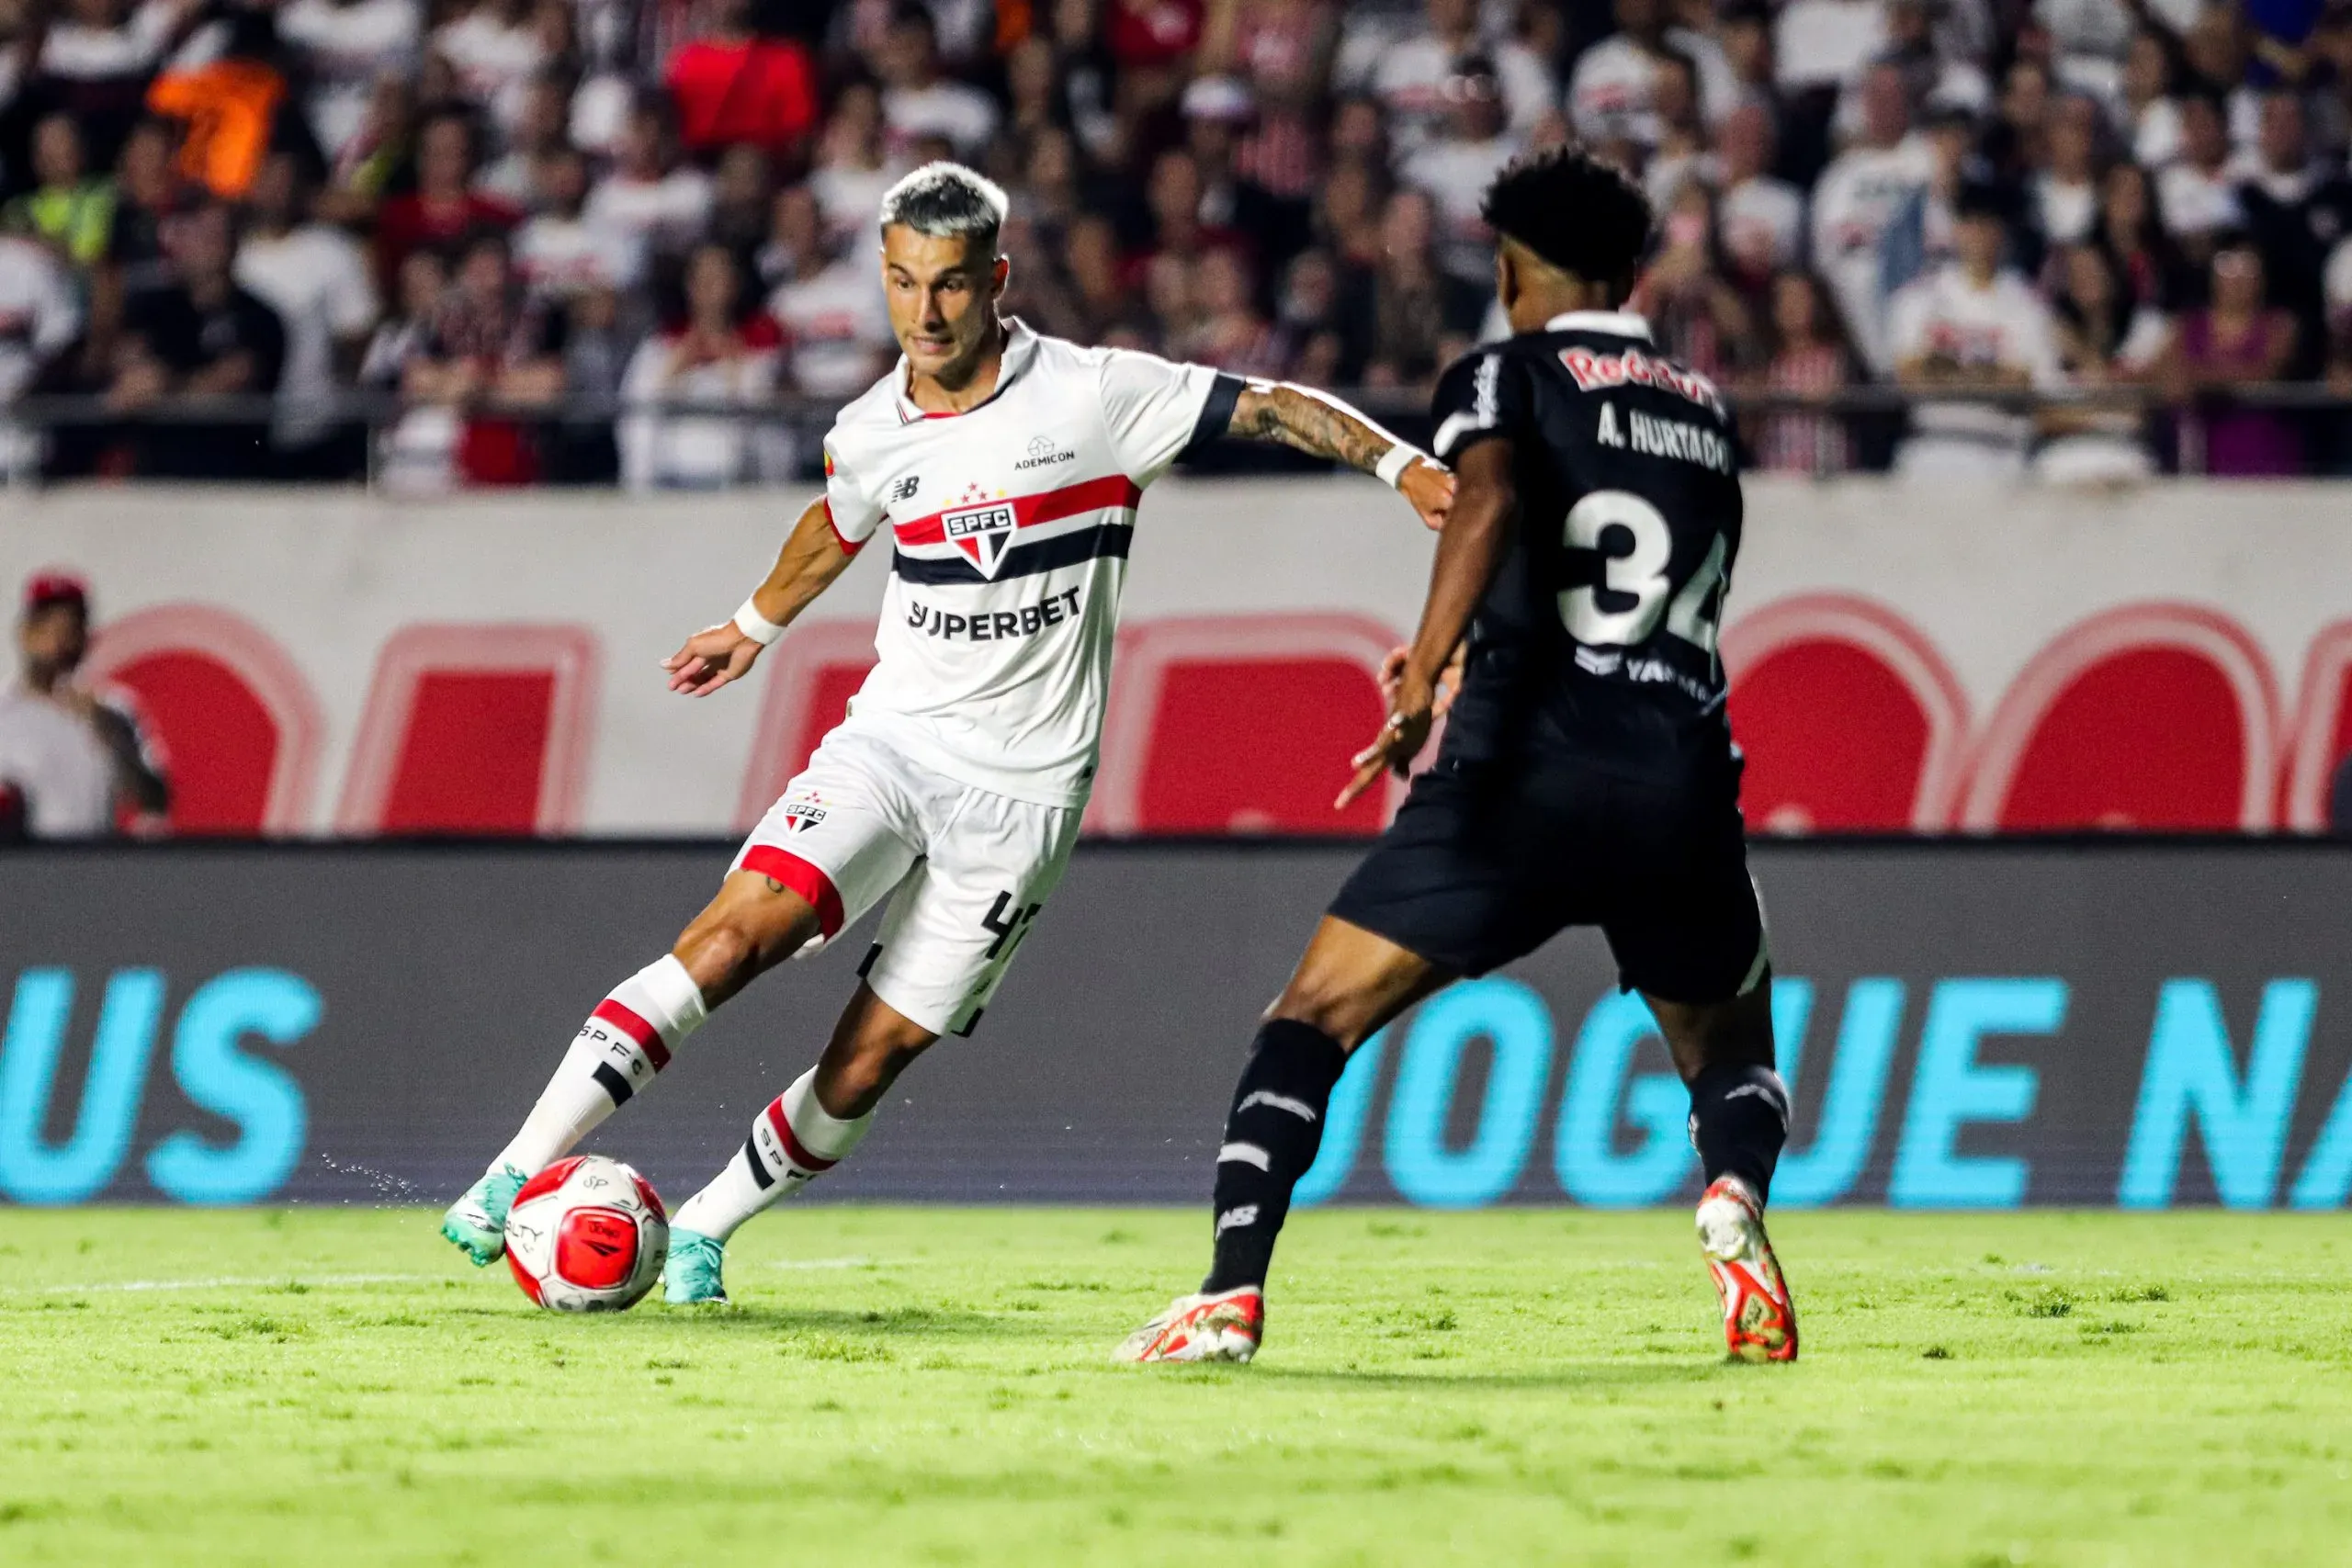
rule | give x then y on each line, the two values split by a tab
542	129
346	47
1455	167
76	757
650	196
97	56
496	46
2197	190
742	202
2130	231
2064	187
733	87
852	174
490	344
2105	339
198	337
1281	50
39	320
834	319
1972	326
66	211
2151	118
445	208
2239	339
918	100
1761	218
1420	319
1409	76
1824	43
1859	196
558	252
714	358
2295	209
1807	358
1700	318
1613	93
317	279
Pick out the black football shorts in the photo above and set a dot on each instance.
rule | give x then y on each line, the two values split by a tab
1484	864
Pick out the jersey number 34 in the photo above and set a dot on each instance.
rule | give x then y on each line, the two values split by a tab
1639	574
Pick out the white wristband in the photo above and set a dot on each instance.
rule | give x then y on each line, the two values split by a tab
752	625
1394	463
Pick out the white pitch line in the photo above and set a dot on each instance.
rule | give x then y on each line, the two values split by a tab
825	1262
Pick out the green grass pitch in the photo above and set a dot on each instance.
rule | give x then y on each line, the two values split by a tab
930	1386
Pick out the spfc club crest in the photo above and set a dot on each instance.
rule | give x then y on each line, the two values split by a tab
982	533
804	814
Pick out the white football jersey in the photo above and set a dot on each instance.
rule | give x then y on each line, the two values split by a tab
1009	527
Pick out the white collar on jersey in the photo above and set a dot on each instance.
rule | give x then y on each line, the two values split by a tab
1020	348
1622	324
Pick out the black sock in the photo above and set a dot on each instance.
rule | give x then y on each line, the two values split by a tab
1271	1136
1739	1119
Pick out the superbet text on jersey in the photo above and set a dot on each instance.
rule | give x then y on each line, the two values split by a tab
1008	525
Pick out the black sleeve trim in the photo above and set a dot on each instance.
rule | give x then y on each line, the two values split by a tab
1216	413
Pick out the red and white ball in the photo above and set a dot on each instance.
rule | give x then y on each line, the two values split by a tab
587	1234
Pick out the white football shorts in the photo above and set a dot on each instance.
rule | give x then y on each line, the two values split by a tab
970	871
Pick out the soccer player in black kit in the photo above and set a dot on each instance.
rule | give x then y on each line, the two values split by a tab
1588	776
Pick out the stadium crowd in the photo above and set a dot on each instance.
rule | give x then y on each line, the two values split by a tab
541	227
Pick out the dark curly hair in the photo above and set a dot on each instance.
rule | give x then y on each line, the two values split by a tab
1581	215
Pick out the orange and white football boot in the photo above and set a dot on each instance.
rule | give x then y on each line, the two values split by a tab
1223	1327
1759	1320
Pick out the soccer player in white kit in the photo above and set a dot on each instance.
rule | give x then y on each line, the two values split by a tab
1004	468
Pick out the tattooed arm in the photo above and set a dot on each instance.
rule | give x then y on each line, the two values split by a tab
1322	426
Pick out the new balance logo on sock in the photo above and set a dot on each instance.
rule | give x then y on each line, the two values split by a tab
1233	1219
1297	1108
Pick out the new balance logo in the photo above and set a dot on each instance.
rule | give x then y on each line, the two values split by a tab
1246	1215
905	487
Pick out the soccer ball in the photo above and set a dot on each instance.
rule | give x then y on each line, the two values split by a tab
587	1234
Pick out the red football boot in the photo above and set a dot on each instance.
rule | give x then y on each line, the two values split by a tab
1759	1321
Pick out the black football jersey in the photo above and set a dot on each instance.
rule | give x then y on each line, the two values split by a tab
1597	635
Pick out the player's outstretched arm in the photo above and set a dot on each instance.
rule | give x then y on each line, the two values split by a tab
811	558
1322	426
1469	553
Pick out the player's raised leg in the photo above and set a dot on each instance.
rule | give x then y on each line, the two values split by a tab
755	922
1349	983
803	1133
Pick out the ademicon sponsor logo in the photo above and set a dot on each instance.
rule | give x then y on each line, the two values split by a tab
211	1059
1619	1136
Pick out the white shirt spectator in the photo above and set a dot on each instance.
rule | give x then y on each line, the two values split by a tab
2195	202
1410	81
1456	174
1762	222
2155	137
2336	281
555	255
317	279
1608	91
40	315
347	46
836	328
666	214
2064	211
962	113
51	755
687	453
849	198
84	54
2001	326
1821	43
1857	196
492	58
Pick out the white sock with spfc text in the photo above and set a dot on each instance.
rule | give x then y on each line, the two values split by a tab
793	1141
616	1053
